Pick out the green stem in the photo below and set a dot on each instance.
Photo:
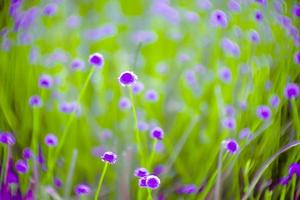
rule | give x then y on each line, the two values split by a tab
5	160
101	181
149	194
219	176
152	154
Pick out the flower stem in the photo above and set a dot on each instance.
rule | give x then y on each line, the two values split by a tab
149	194
101	181
152	154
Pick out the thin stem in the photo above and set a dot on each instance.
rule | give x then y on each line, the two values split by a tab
149	194
219	176
152	154
101	181
70	174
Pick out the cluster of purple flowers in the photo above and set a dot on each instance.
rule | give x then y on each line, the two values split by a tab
146	180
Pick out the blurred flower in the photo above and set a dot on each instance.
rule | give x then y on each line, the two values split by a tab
77	64
263	112
229	123
57	182
192	17
140	172
73	21
187	189
109	157
152	182
51	140
229	111
254	36
27	153
225	74
82	190
218	18
231	146
297	58
158	170
45	81
204	4
259	16
137	87
157	133
7	138
151	95
144	37
234	5
96	60
296	10
163	9
274	101
262	2
96	34
245	134
230	47
124	103
143	126
22	166
291	90
50	9
127	78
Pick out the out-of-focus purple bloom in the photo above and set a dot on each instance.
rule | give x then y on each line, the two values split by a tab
100	33
96	59
124	103
41	158
243	105
163	9
22	166
137	87
245	133
234	5
51	140
158	170
231	146
259	16
294	169
58	56
190	77
204	4
225	74
274	101
229	123
77	64
45	81
27	153
98	151
262	2
297	58
73	21
24	20
69	107
14	8
192	17
151	95
159	147
285	180
57	182
268	85
230	47
152	182
127	78
50	9
291	90
157	133
141	172
263	112
82	190
144	37
296	10
218	18
6	44
109	157
254	36
34	54
187	189
142	182
35	101
183	57
143	126
106	134
7	138
229	111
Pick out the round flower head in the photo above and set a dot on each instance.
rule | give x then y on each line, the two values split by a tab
96	60
234	5
259	16
152	182
35	101
57	182
225	74
50	9
73	21
137	87
157	133
124	103
21	166
263	112
51	140
296	10
142	182
274	101
82	190
262	2
27	153
218	18
7	138
231	146
292	90
229	123
45	81
77	64
141	172
229	111
297	58
127	78
151	95
254	36
109	157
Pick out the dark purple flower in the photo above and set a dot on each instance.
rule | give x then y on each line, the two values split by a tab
109	157
218	18
51	140
142	182
96	60
152	182
254	36
263	112
57	182
296	10
82	190
292	90
45	81
231	146
259	16
229	123
50	9
274	101
158	170
124	103
151	95
285	180
27	153
187	189
22	166
127	78
77	64
157	133
140	172
294	168
7	138
262	2
35	101
297	58
234	5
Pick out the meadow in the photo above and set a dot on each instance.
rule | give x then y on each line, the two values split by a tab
149	99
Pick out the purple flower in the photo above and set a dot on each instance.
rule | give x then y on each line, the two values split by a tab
69	107
294	169
274	101
51	140
297	58
245	133
285	180
292	90
124	103
152	182
96	60
35	101
140	172
142	182
225	74
158	170
73	21
144	37
157	133
106	134
22	166
143	126
77	64
187	189
45	81
192	16
259	16
127	78
163	9
82	190
296	10
7	138
262	2
95	34
204	4
57	182
151	95
137	87
229	111
231	146
109	157
234	5
27	153
254	36
50	9
218	18
263	112
229	123
230	47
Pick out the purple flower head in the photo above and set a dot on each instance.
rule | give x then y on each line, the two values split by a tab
68	107
245	133
218	18
229	123
124	103
263	112
57	182
141	172
152	182
22	166
109	157
24	20
143	126
27	153
192	17
158	170
294	168
35	101
127	78
243	105
296	10
137	87
274	101
225	74
254	36
7	138
45	81
262	2
106	134
77	64
229	111
163	9
159	147
190	77
142	182
157	133
230	47
259	16
231	146
204	4
73	21
50	9
82	190
51	140
151	95
96	60
187	189
234	6
297	58
291	90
